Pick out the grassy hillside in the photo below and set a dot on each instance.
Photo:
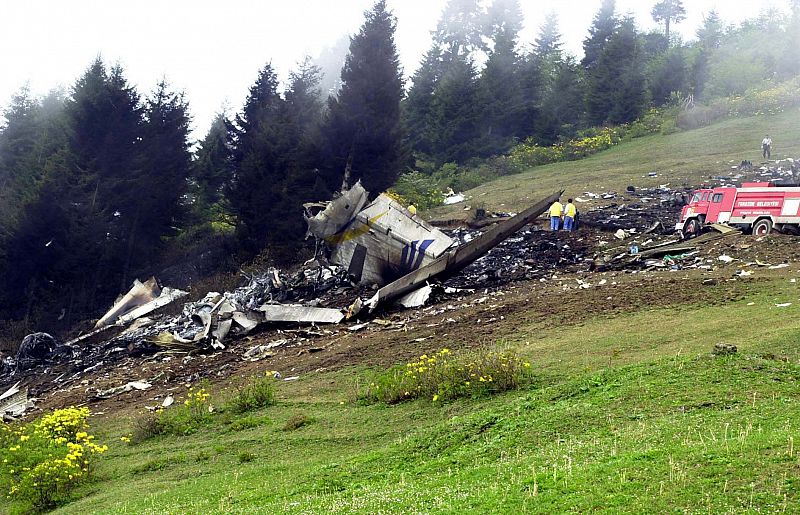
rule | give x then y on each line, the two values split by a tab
629	413
685	158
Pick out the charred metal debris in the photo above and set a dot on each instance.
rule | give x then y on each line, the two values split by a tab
371	254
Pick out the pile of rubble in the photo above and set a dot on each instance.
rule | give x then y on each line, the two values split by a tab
380	247
779	171
651	210
531	253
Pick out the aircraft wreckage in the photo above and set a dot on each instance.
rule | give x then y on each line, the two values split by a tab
384	244
369	244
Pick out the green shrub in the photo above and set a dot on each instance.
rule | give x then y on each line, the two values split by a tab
419	189
44	461
195	412
444	376
257	393
148	426
766	99
669	127
247	422
246	457
297	421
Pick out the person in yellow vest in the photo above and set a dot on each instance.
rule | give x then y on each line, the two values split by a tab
412	209
569	215
556	210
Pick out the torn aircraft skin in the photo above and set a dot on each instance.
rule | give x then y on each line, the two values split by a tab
379	243
456	259
139	294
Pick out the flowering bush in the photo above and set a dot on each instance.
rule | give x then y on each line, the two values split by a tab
444	375
45	460
195	412
62	425
770	100
258	392
529	154
763	100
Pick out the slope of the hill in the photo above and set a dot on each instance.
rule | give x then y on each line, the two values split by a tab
629	412
681	159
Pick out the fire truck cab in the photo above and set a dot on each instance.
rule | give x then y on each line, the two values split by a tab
757	207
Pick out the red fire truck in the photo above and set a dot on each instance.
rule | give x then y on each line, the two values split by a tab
757	207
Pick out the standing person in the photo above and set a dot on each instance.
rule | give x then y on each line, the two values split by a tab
569	216
556	209
766	147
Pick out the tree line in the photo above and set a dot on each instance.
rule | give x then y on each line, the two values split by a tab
97	183
455	111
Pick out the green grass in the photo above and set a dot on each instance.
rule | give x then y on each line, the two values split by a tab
681	158
630	414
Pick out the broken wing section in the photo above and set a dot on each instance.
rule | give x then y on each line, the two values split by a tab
381	242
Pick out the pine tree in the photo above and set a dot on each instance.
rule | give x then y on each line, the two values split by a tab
603	27
709	36
304	111
417	107
501	102
616	83
562	106
669	75
17	140
710	33
304	181
260	149
668	11
622	58
364	130
104	121
789	62
544	67
211	169
547	50
162	176
459	29
454	121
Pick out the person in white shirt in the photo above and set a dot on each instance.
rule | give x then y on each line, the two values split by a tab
766	146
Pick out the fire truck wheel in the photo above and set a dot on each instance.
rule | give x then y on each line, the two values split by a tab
762	227
691	228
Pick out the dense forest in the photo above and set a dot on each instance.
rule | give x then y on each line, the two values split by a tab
101	184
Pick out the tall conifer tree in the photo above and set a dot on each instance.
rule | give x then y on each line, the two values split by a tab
501	100
669	12
260	149
603	27
364	127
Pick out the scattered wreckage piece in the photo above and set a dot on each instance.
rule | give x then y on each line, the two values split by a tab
335	215
458	258
127	387
672	252
301	314
14	402
378	242
263	351
416	298
141	299
168	295
140	293
34	349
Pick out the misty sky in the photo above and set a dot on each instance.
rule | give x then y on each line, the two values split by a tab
213	50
